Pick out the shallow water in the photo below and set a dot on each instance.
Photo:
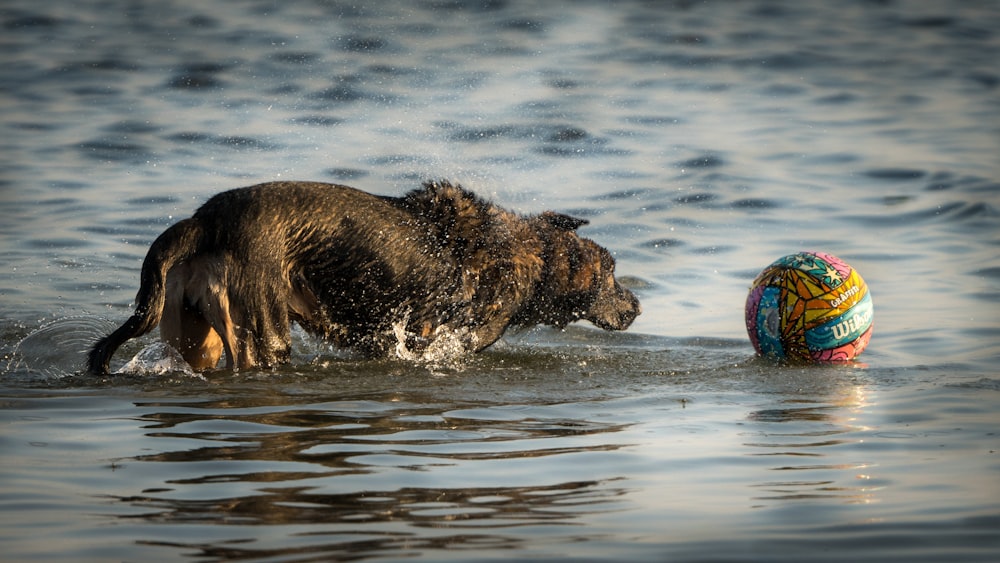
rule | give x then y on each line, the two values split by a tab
702	141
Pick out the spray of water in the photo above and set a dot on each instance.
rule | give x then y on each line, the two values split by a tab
446	345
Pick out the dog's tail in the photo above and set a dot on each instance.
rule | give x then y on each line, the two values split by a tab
176	244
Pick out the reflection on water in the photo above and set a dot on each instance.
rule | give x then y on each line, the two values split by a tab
492	508
352	478
805	441
527	449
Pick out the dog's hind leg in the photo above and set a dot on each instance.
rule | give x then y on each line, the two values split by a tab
196	318
189	312
265	335
192	335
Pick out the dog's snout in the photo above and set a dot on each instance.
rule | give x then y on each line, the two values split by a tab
634	310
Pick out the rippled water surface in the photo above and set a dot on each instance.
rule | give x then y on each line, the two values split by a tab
701	139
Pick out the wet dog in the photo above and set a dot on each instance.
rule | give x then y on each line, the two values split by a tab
353	268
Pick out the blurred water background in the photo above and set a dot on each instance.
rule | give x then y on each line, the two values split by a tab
701	139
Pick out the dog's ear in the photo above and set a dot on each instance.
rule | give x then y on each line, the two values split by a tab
563	222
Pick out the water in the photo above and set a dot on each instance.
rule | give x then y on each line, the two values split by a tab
702	140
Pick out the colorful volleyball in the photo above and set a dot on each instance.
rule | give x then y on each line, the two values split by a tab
810	307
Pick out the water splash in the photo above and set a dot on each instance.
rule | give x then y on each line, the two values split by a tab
447	346
58	348
158	358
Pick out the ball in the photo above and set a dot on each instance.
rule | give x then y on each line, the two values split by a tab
809	307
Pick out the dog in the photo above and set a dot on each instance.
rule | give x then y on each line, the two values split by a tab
348	266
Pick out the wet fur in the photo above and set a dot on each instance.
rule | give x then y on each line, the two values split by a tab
345	265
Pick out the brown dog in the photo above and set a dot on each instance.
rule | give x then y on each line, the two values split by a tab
348	266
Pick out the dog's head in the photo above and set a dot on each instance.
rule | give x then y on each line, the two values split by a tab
614	307
579	281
